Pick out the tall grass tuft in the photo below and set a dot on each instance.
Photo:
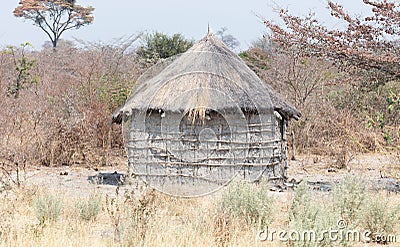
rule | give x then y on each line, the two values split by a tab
310	218
89	208
249	202
47	208
380	219
141	213
348	197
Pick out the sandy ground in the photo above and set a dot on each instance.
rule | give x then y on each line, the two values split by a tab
380	171
76	181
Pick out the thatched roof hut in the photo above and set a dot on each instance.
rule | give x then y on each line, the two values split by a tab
198	119
208	65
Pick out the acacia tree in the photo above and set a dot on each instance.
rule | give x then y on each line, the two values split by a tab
367	47
55	17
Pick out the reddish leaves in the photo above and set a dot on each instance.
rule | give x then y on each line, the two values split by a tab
368	43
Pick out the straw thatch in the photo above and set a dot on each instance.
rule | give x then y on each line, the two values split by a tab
208	75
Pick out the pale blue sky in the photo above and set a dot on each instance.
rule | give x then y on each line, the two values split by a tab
118	18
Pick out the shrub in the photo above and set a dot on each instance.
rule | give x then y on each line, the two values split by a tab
249	202
47	208
89	208
310	219
379	218
302	214
301	203
348	197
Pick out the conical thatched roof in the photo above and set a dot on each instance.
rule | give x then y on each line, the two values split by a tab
208	75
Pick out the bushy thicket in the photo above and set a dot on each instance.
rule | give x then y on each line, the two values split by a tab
56	104
340	113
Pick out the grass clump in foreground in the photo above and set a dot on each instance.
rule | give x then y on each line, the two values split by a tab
141	212
233	217
249	202
47	208
364	211
348	197
241	205
309	218
348	208
380	219
90	207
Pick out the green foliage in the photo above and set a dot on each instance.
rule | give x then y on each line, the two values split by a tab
380	108
348	197
47	208
387	137
23	66
114	92
89	208
249	202
310	219
393	100
159	46
379	218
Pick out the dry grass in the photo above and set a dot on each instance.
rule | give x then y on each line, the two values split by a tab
174	222
145	219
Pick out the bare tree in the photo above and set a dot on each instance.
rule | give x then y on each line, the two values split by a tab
228	39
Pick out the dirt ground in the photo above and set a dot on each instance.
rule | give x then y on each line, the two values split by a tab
378	170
